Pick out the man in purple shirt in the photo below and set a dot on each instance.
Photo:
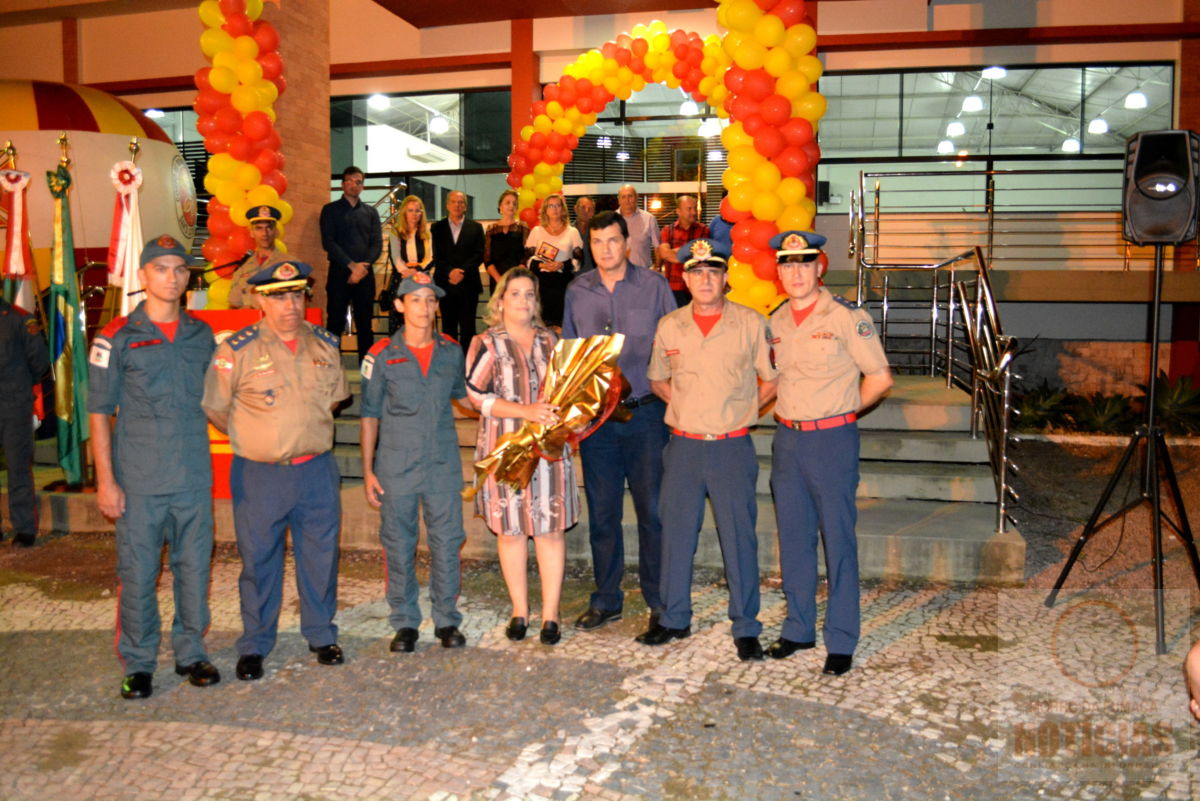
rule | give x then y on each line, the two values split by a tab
619	297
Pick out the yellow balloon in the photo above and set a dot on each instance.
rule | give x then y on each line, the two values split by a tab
739	296
254	9
731	178
271	115
657	26
706	85
762	293
262	195
735	136
809	206
215	40
245	47
778	62
247	177
811	106
555	184
611	66
541	169
767	206
744	158
811	66
554	110
741	197
732	41
218	293
527	181
791	191
794	218
526	133
740	274
227	59
769	30
563	126
800	40
239	209
660	42
743	14
222	79
542	124
540	190
653	59
572	114
639	31
766	177
285	211
596	75
638	84
612	84
750	55
223	166
625	91
211	182
245	99
792	85
210	14
228	192
268	92
525	197
249	71
279	244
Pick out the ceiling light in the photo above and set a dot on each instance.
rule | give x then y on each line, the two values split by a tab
688	108
656	205
622	156
962	154
1136	99
604	143
439	125
955	128
155	113
379	102
1098	126
1070	145
972	103
945	146
994	73
715	155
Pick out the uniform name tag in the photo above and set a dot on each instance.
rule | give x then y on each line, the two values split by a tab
823	335
673	352
99	355
145	343
398	361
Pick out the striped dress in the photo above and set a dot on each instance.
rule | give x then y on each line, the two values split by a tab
496	368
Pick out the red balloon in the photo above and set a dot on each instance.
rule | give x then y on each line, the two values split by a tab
572	141
624	40
822	263
609	49
759	84
797	131
754	124
538	140
637	65
566	96
231	7
276	179
257	126
741	231
764	266
583	87
695	57
765	5
272	65
206	125
201	78
513	179
761	232
735	79
639	47
228	119
678	37
742	107
550	155
556	140
550	92
732	215
238	25
775	110
792	161
266	36
210	101
565	156
535	155
274	140
218	143
809	185
584	104
241	148
266	160
219	225
529	217
520	165
211	247
280	83
694	76
567	83
743	250
217	207
769	142
623	56
791	12
521	148
813	151
539	108
600	98
239	240
679	69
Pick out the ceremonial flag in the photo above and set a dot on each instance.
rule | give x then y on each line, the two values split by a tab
68	344
18	258
125	242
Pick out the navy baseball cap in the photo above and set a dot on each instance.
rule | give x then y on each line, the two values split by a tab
419	280
165	245
702	253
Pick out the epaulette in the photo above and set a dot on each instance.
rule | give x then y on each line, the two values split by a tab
243	338
450	339
379	346
326	336
114	325
849	304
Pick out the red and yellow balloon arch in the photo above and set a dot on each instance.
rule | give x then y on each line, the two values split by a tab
761	75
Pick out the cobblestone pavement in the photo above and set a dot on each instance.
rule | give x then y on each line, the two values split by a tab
957	692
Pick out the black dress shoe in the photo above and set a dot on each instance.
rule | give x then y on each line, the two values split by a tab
26	540
660	635
249	667
550	633
594	618
749	649
837	664
654	618
200	674
783	648
405	641
328	654
515	630
137	685
450	636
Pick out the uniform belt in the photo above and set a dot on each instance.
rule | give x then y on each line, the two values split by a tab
633	403
837	421
295	460
741	432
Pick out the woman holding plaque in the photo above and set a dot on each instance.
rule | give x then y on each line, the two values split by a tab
506	367
557	250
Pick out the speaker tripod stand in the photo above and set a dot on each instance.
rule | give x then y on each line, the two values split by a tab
1156	454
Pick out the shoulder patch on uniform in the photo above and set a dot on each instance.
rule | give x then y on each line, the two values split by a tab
100	353
379	346
324	335
450	339
849	304
31	323
242	338
114	325
864	329
368	366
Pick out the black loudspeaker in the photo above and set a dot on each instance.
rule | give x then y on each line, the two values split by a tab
1159	194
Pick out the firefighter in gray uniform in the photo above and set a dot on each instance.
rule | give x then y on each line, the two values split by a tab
154	473
409	380
24	361
831	367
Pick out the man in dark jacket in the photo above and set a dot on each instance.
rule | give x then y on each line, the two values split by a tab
24	361
457	254
353	238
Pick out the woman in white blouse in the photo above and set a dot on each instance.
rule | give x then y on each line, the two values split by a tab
411	252
557	250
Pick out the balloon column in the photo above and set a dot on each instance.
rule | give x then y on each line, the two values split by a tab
761	75
772	150
621	67
236	117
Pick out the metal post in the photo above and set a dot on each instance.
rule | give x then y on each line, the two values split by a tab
1002	449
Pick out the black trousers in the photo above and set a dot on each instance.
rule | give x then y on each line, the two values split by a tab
458	317
341	295
16	440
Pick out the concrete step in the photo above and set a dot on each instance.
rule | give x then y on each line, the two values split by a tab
907	446
931	481
920	403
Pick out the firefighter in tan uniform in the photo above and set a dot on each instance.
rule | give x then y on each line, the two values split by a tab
264	230
272	387
705	363
831	367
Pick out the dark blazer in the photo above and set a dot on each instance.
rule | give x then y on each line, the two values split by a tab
467	253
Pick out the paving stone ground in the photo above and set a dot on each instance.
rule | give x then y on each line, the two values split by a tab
943	677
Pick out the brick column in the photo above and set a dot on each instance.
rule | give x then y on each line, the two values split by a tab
526	74
303	124
1185	319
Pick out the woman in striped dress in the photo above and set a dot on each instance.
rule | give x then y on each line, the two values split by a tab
506	366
